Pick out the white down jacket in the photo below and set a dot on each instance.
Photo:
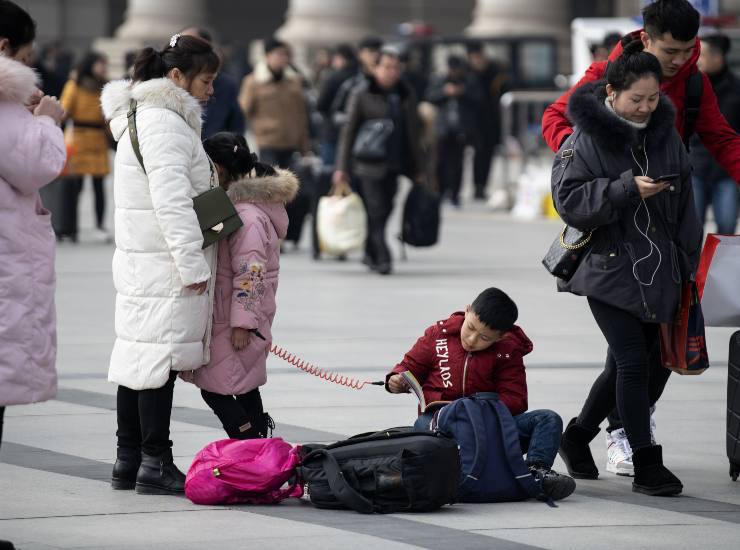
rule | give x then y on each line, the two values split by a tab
160	325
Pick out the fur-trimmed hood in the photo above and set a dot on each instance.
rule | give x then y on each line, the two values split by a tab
281	188
587	111
17	82
158	92
263	74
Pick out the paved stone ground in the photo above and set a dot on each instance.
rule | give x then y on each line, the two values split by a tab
56	457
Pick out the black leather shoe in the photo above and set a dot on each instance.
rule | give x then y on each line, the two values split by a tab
124	470
575	452
554	485
158	475
651	477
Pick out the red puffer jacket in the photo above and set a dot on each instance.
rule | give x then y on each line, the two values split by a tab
712	128
447	372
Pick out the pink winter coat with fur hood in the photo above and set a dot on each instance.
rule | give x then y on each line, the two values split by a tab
32	153
246	284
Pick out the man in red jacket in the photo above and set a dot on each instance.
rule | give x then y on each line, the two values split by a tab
670	34
482	350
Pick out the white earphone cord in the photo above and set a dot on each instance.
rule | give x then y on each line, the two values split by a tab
647	228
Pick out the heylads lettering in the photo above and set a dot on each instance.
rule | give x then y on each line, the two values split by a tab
443	358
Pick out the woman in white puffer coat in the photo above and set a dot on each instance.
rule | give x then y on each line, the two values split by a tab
161	273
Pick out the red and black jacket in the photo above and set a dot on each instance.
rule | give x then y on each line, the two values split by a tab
447	372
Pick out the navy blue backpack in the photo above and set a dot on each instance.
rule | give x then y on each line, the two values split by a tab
491	465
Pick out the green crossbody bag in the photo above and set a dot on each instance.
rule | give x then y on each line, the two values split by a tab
216	213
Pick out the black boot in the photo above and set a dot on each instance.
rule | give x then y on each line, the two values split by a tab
651	477
124	470
158	475
6	545
575	452
553	485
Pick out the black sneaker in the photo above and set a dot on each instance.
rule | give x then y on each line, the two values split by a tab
554	486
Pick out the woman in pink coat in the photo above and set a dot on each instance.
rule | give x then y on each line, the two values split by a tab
246	283
32	153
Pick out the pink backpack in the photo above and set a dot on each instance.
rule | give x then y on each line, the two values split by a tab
251	471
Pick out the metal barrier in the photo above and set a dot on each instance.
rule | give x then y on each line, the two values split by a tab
521	138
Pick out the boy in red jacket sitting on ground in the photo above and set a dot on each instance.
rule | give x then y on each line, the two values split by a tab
482	350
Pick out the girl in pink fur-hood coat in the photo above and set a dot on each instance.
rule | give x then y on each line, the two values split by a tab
246	284
32	153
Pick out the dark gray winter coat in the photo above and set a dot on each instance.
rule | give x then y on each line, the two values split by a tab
593	188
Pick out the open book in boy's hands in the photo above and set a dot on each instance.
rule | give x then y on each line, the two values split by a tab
415	387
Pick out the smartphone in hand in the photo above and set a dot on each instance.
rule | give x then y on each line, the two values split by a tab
667	178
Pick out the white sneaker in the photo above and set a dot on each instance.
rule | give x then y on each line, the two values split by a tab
619	454
652	425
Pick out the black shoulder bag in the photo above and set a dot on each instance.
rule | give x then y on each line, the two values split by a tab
216	214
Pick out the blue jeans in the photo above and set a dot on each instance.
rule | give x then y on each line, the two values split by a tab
723	196
539	434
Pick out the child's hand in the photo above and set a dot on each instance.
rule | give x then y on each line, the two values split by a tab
240	338
397	384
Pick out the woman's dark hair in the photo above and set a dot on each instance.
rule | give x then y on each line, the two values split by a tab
632	65
231	152
84	68
16	25
495	309
189	54
677	17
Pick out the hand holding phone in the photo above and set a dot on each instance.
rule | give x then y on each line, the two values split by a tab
667	178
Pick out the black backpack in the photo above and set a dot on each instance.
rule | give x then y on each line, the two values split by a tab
384	472
421	217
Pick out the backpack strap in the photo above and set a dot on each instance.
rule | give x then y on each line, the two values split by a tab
694	89
133	133
342	490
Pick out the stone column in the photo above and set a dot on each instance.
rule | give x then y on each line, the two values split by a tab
525	17
149	22
313	23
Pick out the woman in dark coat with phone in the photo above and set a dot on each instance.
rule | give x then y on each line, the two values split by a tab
625	174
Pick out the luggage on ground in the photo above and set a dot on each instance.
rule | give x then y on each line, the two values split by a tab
491	465
386	472
251	471
733	407
421	217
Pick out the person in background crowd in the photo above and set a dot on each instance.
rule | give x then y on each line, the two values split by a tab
159	265
384	96
368	53
273	103
712	184
321	67
222	112
53	66
88	139
344	66
412	74
457	97
491	80
600	52
32	153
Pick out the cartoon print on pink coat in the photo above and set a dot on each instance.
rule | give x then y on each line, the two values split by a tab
252	285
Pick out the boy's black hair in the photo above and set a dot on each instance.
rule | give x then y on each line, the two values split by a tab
16	25
632	65
495	309
677	17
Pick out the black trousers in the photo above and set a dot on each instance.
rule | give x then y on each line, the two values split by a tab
71	199
484	148
2	414
237	413
298	207
378	196
632	378
450	155
144	418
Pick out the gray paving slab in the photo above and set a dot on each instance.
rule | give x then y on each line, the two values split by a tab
57	455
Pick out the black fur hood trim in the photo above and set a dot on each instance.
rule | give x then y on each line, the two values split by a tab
586	110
